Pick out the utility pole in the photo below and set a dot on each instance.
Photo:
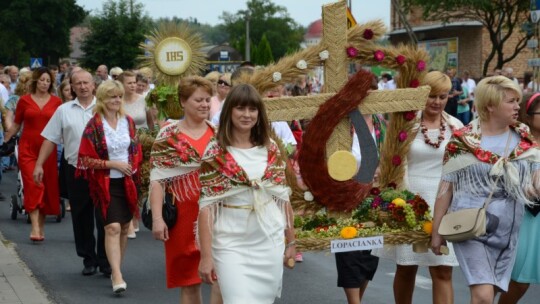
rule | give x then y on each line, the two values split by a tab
248	51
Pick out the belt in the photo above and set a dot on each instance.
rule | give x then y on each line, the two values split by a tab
246	207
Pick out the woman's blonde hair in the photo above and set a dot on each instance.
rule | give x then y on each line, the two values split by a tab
22	85
490	92
439	82
105	90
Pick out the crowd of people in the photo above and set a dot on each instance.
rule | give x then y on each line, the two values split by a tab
223	171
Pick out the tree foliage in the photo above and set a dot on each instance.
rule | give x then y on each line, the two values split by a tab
213	35
115	34
502	19
265	17
37	29
264	52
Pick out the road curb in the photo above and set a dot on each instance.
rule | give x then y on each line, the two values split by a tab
17	283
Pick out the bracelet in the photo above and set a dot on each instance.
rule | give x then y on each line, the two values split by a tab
290	244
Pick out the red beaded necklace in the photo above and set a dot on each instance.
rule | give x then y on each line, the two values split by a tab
427	140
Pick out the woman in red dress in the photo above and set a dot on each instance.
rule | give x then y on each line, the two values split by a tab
175	160
35	110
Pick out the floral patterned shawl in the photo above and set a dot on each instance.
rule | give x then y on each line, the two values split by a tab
175	162
464	152
221	177
91	164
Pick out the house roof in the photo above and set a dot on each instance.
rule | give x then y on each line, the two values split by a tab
438	26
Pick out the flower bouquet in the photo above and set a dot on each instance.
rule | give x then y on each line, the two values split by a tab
400	216
165	99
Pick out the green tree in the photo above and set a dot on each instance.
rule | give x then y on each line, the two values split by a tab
115	35
264	52
212	35
502	19
265	17
37	29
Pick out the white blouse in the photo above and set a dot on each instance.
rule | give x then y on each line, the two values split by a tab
117	143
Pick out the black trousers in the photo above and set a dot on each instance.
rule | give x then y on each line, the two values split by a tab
85	217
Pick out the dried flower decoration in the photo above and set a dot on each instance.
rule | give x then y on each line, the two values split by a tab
421	65
400	59
368	34
352	52
324	55
276	76
301	64
378	55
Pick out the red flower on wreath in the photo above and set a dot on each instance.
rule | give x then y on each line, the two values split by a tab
396	160
378	55
368	34
402	136
400	59
421	65
414	83
419	206
352	52
398	213
409	115
375	191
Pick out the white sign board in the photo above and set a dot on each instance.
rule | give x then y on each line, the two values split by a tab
366	243
535	10
534	62
532	43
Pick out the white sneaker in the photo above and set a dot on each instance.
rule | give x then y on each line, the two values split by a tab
132	236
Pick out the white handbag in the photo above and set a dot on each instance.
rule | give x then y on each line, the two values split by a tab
466	224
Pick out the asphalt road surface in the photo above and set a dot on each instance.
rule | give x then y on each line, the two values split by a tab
57	267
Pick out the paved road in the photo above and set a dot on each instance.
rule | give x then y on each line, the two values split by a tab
57	267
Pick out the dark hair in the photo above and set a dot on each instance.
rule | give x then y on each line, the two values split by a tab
387	76
188	85
240	96
36	74
142	78
53	67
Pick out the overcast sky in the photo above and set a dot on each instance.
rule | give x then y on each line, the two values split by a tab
208	11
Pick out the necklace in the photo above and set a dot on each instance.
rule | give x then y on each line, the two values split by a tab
440	138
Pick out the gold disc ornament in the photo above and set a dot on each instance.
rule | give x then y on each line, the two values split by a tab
342	166
173	56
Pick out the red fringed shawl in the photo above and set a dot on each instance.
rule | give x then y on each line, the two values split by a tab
91	165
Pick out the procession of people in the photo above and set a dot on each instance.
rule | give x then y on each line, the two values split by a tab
217	186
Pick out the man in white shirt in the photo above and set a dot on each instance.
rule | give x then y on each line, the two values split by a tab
66	126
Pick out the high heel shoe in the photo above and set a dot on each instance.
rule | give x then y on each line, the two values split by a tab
118	288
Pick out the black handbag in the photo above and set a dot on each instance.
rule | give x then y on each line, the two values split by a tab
8	147
168	212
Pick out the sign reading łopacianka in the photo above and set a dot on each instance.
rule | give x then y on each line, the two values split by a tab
365	243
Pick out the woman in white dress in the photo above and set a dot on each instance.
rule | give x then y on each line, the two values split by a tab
424	168
135	106
245	224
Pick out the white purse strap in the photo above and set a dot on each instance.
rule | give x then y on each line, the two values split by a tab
505	157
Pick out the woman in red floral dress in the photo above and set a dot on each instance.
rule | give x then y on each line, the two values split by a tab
175	160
